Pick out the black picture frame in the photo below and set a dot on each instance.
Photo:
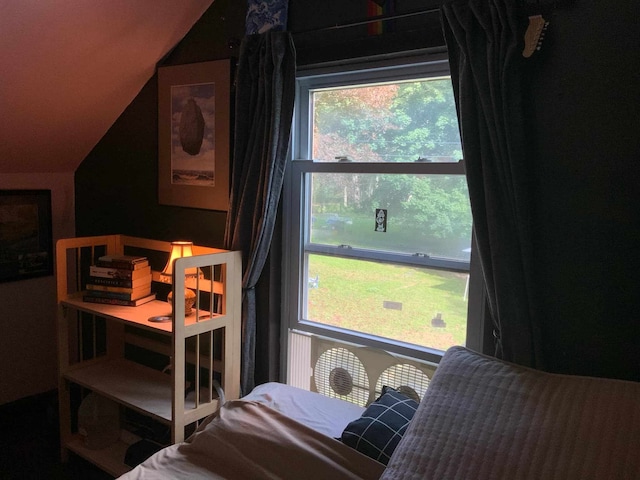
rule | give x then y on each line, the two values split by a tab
26	241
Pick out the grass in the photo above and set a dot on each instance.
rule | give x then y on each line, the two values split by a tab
351	294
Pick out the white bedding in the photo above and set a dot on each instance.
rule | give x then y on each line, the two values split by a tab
480	419
326	415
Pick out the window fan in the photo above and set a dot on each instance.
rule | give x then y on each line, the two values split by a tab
339	373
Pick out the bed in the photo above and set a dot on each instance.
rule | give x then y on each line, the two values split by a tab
480	418
253	438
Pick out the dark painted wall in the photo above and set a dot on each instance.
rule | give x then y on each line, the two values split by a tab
583	102
117	184
337	31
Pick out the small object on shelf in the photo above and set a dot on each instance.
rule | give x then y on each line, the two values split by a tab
98	421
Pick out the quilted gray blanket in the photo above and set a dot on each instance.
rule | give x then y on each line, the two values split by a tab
482	419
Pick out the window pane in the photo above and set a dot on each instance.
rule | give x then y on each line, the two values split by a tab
415	305
398	122
426	214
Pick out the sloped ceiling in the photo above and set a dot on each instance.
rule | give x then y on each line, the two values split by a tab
70	68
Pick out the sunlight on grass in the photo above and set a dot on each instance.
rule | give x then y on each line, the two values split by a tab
351	294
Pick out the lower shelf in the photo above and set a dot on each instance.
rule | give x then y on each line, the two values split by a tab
140	388
109	459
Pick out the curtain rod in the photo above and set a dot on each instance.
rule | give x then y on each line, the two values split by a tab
379	18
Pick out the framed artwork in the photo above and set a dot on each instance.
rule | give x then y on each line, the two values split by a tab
26	242
193	135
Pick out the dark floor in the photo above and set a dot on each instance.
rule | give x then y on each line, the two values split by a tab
30	445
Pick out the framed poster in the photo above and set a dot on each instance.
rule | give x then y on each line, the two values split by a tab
193	135
26	242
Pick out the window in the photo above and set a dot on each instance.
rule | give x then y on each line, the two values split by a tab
377	216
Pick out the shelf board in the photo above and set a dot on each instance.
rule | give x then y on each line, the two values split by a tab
140	388
138	316
110	459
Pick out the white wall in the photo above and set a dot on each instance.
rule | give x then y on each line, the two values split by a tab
28	346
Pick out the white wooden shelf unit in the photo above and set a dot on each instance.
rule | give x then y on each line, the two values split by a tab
92	340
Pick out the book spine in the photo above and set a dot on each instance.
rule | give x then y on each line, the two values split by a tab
122	265
116	295
111	282
117	301
109	272
128	259
119	282
108	301
110	288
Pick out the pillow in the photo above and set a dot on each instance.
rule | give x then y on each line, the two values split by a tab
377	432
487	419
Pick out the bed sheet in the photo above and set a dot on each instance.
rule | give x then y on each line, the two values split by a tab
249	440
326	415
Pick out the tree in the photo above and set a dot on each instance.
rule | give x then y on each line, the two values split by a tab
404	122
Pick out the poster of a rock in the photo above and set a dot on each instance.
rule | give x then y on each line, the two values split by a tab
193	134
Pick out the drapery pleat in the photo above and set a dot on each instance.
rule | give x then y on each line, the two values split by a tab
484	40
265	90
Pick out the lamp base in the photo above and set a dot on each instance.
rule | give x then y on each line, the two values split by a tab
161	319
189	300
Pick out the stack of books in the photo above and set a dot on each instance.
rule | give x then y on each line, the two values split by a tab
119	280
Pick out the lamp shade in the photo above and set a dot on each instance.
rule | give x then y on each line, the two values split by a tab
179	250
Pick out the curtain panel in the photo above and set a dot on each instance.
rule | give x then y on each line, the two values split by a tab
485	41
265	90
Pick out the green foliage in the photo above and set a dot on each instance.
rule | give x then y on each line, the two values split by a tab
426	113
395	123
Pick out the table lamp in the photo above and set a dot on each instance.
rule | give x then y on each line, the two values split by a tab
179	250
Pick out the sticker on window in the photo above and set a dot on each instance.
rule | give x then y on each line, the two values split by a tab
381	220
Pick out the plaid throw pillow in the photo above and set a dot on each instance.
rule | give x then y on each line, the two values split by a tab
377	432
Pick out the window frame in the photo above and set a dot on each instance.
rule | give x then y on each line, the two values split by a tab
295	228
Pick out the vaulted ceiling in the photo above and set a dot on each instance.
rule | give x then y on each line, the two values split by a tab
70	68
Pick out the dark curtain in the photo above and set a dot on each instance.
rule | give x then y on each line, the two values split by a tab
485	41
265	89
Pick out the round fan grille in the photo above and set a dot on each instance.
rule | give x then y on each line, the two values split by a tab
339	373
405	378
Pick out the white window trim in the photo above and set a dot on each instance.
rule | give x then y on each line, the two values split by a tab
293	244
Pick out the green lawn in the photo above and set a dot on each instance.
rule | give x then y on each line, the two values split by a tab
351	295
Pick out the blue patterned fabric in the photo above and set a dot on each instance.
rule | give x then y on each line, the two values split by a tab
377	432
264	15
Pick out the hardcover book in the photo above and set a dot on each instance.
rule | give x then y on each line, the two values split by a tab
130	259
124	266
111	272
116	301
126	262
134	295
144	288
